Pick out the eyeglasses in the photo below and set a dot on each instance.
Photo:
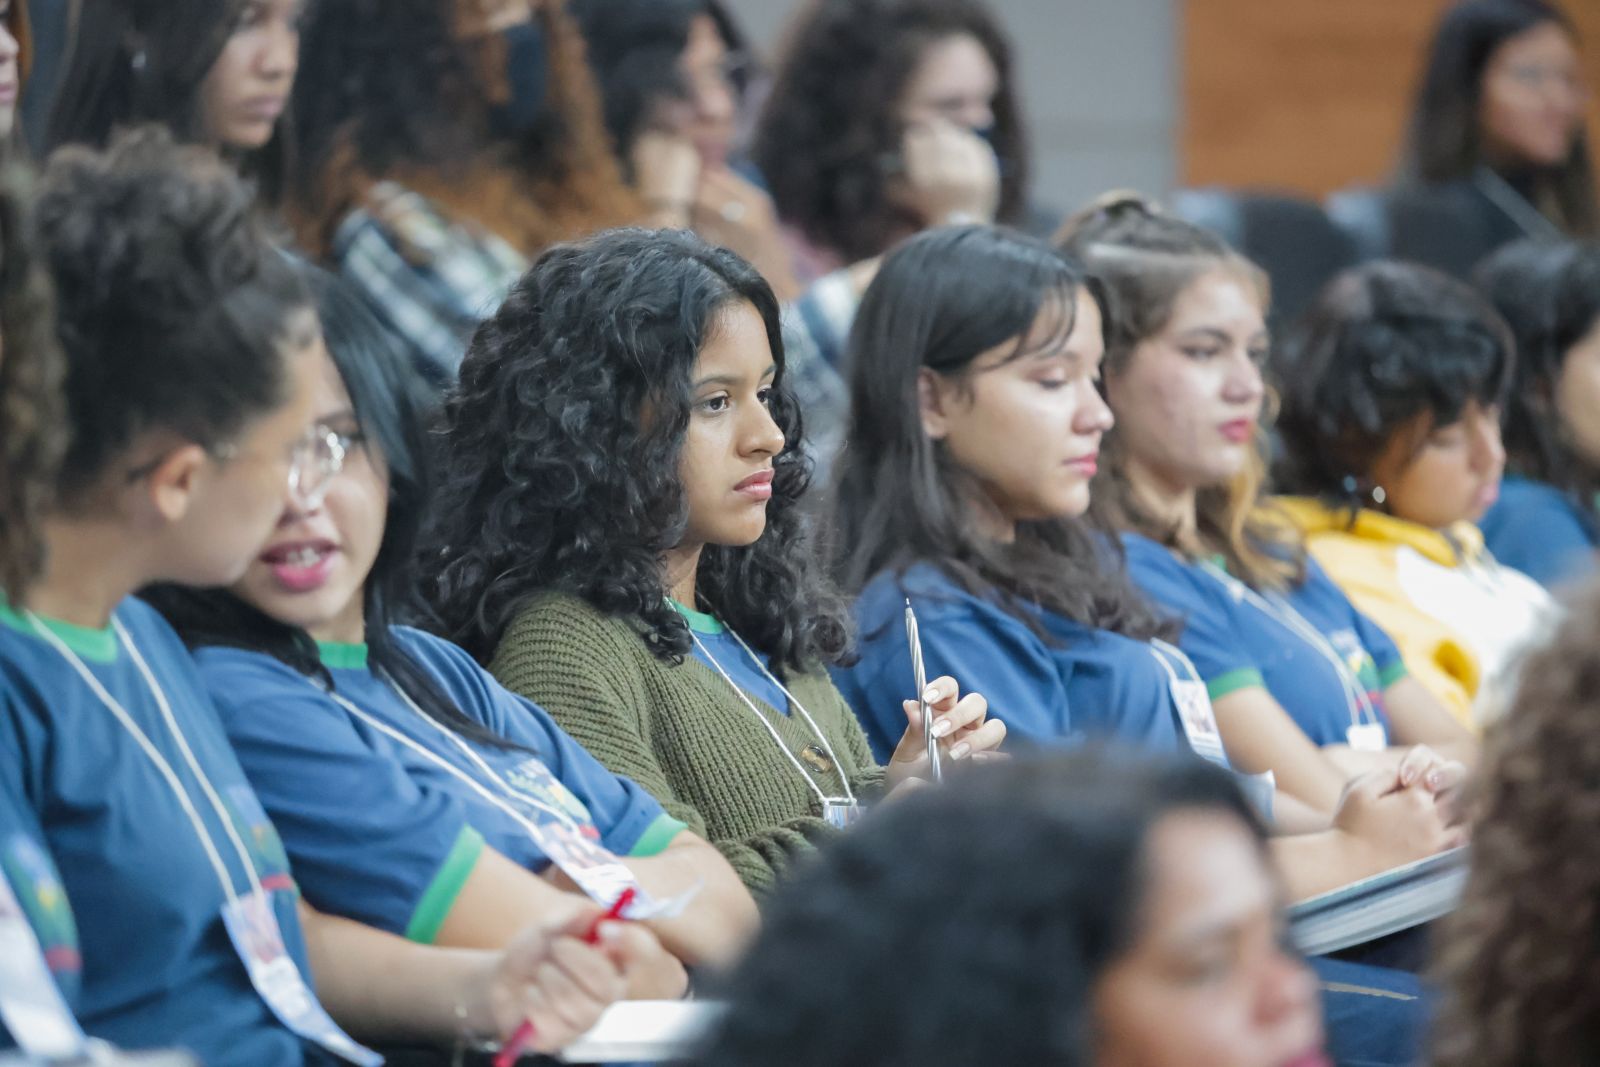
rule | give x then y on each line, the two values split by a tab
314	461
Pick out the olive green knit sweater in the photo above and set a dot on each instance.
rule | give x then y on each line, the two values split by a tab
684	735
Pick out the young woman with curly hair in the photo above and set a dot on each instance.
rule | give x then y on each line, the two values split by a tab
1517	959
192	353
215	74
1392	385
620	538
443	144
412	792
885	117
1303	684
1547	520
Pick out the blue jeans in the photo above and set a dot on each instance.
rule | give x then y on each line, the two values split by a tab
1375	1017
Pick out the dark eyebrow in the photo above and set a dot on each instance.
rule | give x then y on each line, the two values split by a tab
1209	332
730	380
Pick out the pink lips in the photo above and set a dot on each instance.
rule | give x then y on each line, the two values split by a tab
757	487
1086	465
1238	431
301	567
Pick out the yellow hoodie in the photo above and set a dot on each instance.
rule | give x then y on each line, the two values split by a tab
1461	619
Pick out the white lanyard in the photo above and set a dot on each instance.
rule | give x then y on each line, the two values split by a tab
776	738
450	768
1166	654
1284	613
160	761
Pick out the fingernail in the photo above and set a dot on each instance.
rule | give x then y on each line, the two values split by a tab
961	751
931	695
943	727
1434	778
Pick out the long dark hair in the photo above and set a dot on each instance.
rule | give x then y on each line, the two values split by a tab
846	971
33	422
391	405
1445	142
1383	345
941	300
634	47
142	61
562	453
829	127
1549	295
390	90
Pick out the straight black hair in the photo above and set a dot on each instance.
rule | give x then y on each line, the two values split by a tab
939	301
392	406
1549	294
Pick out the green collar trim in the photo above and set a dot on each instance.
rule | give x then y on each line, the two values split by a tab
339	655
96	645
698	621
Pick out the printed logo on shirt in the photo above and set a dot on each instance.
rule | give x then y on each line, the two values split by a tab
33	878
1359	661
531	776
260	836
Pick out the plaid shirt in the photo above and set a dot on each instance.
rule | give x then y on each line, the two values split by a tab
430	279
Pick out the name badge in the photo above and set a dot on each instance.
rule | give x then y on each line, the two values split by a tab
1367	737
1199	719
841	814
30	1003
594	868
253	928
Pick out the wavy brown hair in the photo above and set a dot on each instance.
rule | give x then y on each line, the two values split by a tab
1144	260
1520	953
392	91
33	434
828	141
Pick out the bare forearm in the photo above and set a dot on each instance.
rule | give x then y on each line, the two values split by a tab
380	986
1316	863
721	919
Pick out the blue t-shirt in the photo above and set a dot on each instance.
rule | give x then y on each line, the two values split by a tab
715	645
1084	684
1540	531
376	831
158	967
1237	645
27	868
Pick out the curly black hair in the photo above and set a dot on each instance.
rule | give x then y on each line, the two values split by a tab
1383	345
172	302
889	950
144	61
33	430
829	125
562	449
1549	294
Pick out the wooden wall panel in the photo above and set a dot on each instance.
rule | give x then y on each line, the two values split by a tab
1310	95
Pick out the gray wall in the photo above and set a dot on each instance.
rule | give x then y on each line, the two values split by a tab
1099	84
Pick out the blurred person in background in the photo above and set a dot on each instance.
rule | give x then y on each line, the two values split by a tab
1063	912
1392	386
1497	139
442	145
214	74
674	76
1518	957
1547	520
